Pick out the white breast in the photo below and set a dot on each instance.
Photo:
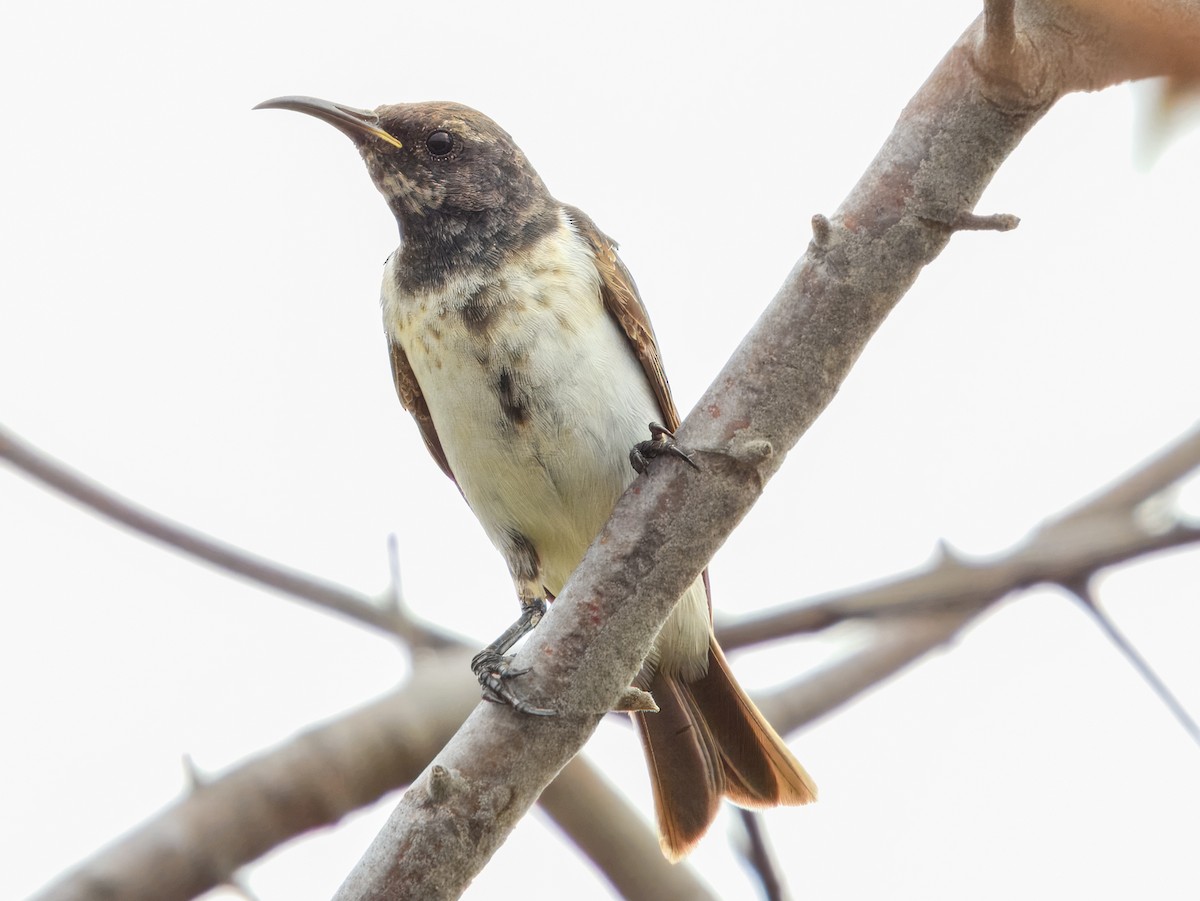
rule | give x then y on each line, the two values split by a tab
536	394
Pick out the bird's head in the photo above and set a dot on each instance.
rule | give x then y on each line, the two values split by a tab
438	165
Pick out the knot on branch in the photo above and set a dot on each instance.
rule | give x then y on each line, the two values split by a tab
443	784
822	231
747	458
634	700
751	451
1010	64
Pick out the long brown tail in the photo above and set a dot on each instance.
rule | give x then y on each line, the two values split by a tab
709	741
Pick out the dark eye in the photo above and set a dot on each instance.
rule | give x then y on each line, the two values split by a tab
440	143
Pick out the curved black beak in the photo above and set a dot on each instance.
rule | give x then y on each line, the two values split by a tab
354	123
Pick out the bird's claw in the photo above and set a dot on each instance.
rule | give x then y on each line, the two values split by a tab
662	443
494	672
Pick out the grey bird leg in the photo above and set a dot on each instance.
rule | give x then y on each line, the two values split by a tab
661	443
492	667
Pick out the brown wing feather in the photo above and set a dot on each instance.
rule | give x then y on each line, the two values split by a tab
624	304
413	401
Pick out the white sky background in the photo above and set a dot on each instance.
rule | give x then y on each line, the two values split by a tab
189	316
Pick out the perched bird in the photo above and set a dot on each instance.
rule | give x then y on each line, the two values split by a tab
520	345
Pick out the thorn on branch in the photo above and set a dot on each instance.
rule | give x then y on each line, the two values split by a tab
442	784
1014	69
999	28
195	779
965	221
997	57
238	886
944	555
822	230
405	625
1000	222
227	876
395	596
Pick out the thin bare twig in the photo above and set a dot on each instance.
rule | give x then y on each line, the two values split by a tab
894	645
1085	596
1162	470
326	595
226	821
1106	530
415	631
756	854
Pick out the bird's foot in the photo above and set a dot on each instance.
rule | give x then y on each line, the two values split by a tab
494	671
662	443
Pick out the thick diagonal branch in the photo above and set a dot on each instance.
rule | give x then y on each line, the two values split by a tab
156	527
949	142
323	775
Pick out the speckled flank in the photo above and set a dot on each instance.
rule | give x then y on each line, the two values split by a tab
521	557
537	396
513	402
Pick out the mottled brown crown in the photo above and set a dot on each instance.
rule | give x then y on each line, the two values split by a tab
462	192
453	159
